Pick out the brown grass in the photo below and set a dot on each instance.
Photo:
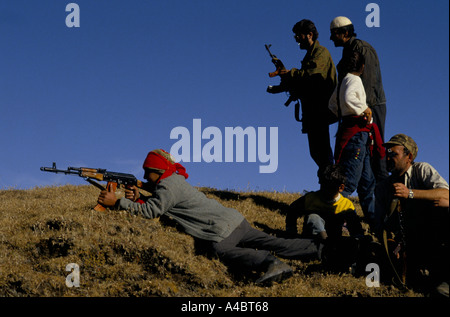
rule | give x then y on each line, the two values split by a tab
44	229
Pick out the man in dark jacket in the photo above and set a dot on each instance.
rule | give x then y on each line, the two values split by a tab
313	84
343	34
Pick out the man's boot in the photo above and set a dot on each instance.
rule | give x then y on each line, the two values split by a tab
276	271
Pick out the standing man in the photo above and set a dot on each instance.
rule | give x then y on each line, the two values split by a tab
313	84
343	34
420	216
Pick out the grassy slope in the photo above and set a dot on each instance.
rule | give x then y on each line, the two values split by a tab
44	229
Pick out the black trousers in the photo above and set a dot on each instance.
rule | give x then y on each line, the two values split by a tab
319	146
248	248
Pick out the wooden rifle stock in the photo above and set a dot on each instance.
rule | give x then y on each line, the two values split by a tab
275	73
110	186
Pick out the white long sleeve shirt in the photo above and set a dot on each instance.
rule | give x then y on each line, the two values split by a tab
352	97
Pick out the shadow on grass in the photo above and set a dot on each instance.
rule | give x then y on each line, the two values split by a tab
259	200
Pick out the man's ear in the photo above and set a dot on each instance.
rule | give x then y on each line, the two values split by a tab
341	188
346	35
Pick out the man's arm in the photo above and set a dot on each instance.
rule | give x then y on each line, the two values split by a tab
295	210
317	65
161	201
435	195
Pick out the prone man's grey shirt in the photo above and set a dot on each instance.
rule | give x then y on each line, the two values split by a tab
199	216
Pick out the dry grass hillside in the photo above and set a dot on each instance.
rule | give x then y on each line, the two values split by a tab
44	229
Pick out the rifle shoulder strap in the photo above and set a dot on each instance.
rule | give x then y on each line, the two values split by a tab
297	111
401	278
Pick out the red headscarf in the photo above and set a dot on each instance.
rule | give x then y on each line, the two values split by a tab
163	162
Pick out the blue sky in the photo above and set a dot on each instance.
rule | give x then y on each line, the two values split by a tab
106	93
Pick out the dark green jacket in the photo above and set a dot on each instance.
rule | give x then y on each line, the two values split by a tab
371	77
314	84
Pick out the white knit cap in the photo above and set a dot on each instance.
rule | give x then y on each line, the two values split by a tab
339	22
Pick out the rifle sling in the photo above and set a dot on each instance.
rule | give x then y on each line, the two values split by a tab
395	204
397	275
297	111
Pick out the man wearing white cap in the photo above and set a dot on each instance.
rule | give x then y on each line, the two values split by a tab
343	34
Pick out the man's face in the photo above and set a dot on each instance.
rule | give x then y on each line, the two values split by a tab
330	192
152	179
397	162
337	37
302	40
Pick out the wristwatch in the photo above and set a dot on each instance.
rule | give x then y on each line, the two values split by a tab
411	194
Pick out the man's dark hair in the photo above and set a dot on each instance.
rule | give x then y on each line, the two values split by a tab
332	176
354	63
304	27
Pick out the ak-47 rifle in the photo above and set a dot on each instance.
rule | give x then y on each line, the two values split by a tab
114	179
395	246
283	86
277	62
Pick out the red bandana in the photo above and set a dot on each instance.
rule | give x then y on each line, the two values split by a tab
164	163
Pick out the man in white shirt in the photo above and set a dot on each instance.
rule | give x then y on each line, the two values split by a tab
420	220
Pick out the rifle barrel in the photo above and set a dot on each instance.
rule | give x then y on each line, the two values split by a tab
54	170
268	49
97	173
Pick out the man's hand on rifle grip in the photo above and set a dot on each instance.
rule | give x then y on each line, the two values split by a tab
107	197
132	193
283	72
